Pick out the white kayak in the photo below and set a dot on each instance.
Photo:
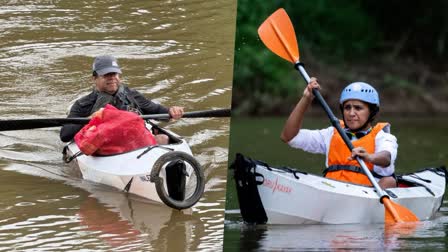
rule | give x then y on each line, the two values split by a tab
162	173
269	195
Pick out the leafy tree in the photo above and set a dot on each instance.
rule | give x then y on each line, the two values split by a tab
343	33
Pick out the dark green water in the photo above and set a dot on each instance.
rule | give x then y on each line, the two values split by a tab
422	143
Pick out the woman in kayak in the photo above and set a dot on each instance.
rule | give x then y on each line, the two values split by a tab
359	103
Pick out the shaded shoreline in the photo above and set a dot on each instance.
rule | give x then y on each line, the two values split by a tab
406	88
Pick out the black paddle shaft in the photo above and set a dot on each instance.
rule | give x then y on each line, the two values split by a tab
333	119
194	114
23	124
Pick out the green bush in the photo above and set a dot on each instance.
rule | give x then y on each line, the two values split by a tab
342	40
331	29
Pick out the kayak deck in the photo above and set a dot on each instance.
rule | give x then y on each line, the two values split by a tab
161	173
287	196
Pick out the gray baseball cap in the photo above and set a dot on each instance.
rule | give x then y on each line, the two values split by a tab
105	64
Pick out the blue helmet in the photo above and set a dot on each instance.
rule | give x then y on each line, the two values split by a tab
360	91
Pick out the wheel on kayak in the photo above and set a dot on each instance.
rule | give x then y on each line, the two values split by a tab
179	179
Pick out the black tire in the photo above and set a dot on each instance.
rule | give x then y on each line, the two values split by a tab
175	156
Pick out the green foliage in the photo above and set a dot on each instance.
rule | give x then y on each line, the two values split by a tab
255	68
334	29
418	28
398	83
335	32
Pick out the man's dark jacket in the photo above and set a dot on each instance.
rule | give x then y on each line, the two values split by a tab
122	100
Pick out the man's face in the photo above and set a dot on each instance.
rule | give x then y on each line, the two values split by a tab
107	83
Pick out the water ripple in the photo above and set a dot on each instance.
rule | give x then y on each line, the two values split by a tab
41	54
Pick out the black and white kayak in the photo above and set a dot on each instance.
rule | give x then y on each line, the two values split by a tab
162	173
282	195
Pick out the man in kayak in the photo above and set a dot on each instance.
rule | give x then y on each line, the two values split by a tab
109	90
359	103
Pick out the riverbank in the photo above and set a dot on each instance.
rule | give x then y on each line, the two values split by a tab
407	87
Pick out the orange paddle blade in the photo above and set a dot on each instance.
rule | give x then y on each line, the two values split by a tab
397	213
277	33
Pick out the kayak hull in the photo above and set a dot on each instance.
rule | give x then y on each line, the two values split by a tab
287	196
131	172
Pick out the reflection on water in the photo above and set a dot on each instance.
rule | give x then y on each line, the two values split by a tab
126	222
424	236
176	53
103	219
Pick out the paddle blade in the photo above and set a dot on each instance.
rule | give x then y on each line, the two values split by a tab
396	213
277	33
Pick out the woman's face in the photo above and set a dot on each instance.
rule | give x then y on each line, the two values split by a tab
356	114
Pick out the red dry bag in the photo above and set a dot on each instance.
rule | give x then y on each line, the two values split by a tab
113	131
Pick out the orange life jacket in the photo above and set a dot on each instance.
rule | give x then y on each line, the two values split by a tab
342	169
